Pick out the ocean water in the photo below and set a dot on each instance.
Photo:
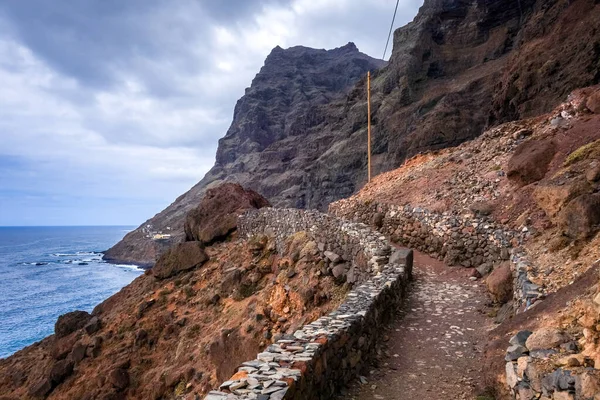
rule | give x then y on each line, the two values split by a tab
48	271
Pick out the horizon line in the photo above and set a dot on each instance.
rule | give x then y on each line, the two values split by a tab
66	226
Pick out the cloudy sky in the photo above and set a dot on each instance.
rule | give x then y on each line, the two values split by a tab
110	109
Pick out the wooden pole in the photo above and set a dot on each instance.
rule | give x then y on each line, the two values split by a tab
369	123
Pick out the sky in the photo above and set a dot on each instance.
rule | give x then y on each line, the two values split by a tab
110	109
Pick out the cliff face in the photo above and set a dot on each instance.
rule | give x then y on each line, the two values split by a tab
265	144
458	68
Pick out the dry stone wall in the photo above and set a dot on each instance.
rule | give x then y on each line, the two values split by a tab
458	240
324	355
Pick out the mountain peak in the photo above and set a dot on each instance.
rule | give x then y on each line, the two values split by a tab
351	47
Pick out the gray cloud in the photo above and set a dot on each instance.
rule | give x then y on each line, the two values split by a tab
130	97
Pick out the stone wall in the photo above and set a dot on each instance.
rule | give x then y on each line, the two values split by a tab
459	240
323	356
526	293
554	367
354	249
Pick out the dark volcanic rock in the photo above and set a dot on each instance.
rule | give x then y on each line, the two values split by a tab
216	216
93	326
182	257
41	388
119	378
60	371
70	322
298	134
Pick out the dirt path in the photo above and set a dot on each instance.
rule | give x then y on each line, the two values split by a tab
433	349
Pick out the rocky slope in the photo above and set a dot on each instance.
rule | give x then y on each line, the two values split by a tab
183	327
539	177
262	147
458	67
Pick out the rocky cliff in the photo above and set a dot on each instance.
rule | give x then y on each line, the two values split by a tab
262	146
459	67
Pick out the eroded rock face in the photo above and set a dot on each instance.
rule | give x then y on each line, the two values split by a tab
216	216
182	257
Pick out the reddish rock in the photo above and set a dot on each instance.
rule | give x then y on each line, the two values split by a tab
41	388
581	217
593	102
530	161
182	257
70	322
216	216
61	347
60	371
500	283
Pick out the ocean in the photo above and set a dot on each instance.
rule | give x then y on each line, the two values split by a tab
48	271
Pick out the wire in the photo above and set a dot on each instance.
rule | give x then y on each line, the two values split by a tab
391	28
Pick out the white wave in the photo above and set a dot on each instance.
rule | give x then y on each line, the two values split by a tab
77	254
128	266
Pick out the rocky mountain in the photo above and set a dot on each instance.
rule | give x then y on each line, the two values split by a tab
459	67
261	148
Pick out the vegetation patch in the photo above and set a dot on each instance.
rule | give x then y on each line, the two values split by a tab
590	150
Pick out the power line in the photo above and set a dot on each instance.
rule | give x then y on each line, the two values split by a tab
391	28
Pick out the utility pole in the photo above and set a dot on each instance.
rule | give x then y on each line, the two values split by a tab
369	123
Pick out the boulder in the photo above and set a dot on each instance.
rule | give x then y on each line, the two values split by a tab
593	174
70	322
333	257
61	370
217	215
484	269
339	271
546	338
514	352
93	326
41	388
552	197
482	208
119	378
530	161
593	102
403	256
580	218
587	385
182	257
520	339
378	220
78	353
61	347
500	283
